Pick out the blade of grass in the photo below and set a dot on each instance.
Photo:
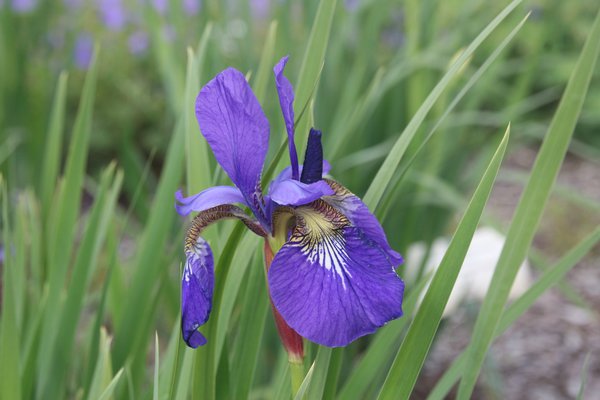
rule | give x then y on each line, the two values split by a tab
529	210
54	136
155	388
60	236
389	166
83	269
197	153
253	315
378	356
549	278
415	346
316	385
314	57
10	386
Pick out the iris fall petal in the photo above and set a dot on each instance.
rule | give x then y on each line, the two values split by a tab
330	281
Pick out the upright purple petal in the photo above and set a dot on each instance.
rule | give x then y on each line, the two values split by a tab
330	282
207	198
313	158
237	131
286	101
197	285
359	215
286	173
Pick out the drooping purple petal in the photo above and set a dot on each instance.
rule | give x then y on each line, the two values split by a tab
286	101
359	215
291	192
313	158
197	285
233	123
207	198
330	282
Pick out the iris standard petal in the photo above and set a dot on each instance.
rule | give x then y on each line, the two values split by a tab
290	192
313	158
286	101
331	282
286	173
359	215
197	285
235	126
208	198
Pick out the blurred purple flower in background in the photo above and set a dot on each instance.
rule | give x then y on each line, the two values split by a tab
191	7
73	4
83	50
138	43
161	6
112	13
260	9
23	6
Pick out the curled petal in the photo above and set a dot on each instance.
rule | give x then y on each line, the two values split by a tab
286	173
332	283
291	192
197	285
286	101
233	123
359	215
208	198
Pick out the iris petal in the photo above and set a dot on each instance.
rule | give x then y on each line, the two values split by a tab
286	101
359	215
330	281
235	126
208	198
290	192
196	291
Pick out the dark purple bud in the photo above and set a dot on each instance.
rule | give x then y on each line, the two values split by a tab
312	170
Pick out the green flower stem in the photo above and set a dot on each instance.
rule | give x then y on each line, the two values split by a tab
297	374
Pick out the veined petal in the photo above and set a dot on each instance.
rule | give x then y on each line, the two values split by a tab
208	198
359	215
197	285
331	282
286	101
290	192
235	126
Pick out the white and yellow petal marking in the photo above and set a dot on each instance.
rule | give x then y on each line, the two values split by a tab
319	234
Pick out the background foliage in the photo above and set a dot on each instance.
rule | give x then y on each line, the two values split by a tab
97	132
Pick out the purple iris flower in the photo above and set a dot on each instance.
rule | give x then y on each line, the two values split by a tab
331	271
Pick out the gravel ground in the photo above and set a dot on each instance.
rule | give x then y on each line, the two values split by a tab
542	355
